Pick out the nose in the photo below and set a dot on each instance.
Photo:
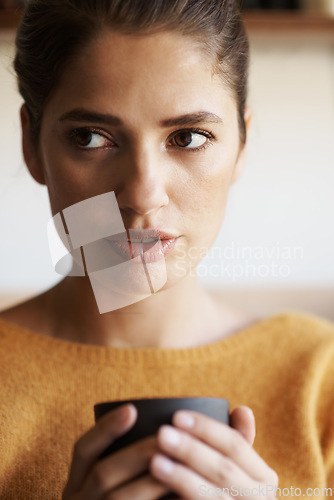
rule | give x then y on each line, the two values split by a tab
143	187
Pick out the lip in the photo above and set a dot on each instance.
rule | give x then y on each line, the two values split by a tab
143	234
126	245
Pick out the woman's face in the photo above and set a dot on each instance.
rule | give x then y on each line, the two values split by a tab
147	118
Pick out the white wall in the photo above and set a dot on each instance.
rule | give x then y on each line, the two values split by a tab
278	231
284	204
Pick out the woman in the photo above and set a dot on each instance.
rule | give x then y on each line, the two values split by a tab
147	101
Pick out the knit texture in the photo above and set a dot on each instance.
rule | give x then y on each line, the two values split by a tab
282	367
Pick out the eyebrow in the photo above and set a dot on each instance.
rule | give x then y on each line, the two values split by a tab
192	119
83	115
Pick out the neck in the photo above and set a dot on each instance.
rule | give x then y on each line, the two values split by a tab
181	316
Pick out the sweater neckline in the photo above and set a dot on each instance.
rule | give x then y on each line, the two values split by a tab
151	355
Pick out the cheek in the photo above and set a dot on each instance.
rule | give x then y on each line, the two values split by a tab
67	182
204	189
63	188
202	213
202	210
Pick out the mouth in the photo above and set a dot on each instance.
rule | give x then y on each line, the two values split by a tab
143	245
143	235
148	240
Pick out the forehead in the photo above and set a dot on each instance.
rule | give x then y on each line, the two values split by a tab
146	73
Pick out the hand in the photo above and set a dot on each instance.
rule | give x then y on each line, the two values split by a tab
116	476
209	456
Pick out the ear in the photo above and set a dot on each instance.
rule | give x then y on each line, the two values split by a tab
239	166
30	148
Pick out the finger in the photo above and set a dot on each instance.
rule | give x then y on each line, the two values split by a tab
227	441
202	459
190	485
144	488
185	482
119	467
90	446
242	419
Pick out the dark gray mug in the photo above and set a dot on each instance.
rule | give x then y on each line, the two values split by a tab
154	412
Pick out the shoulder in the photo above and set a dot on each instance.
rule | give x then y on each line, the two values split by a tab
290	341
19	325
298	336
287	327
304	326
303	347
314	372
298	325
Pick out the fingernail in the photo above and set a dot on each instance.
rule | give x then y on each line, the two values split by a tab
162	465
184	419
123	413
249	410
170	436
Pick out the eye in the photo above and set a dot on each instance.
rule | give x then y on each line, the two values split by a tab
87	138
192	139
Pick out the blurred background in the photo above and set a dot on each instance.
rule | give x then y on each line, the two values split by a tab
275	251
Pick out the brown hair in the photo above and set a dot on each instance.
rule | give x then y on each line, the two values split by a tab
52	32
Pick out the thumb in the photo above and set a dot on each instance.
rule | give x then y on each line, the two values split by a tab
242	419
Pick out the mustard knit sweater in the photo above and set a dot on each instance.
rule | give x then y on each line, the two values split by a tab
282	367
